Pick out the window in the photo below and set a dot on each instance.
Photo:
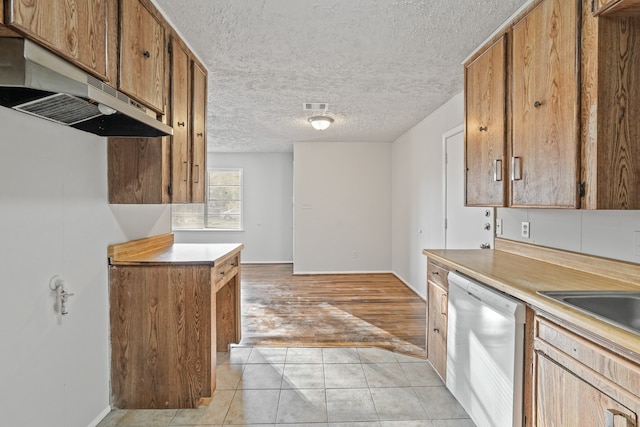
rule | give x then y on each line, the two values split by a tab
223	209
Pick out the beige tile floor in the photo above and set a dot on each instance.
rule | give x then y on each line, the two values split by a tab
268	386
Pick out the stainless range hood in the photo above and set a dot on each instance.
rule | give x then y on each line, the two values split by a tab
37	82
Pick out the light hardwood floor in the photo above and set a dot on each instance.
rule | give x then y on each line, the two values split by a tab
378	310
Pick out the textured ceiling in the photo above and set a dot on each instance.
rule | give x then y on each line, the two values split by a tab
382	66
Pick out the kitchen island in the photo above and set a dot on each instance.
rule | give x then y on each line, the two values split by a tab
171	307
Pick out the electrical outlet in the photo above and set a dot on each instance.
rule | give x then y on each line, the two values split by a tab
499	227
525	230
355	253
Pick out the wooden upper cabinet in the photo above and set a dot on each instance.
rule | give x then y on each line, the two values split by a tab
199	134
180	144
73	29
545	122
610	111
485	118
142	55
616	7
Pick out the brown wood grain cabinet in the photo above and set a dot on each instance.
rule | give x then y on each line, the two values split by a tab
573	109
545	132
437	292
170	310
169	169
485	119
576	382
180	112
142	55
188	147
616	7
75	29
610	104
198	133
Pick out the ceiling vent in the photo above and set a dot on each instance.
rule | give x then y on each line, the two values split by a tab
307	106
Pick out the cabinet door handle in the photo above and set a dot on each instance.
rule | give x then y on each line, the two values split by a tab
436	330
443	304
516	168
197	174
610	417
186	171
482	129
435	273
181	124
200	134
146	54
497	170
537	104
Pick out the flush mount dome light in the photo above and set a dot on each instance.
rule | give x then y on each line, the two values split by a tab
320	122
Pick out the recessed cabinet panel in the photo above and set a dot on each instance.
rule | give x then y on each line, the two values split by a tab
485	117
142	50
563	399
545	139
180	150
74	29
199	145
616	7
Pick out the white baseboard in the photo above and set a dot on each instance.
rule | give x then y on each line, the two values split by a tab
302	273
265	262
100	417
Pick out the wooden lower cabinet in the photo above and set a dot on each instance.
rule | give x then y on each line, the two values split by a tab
581	404
576	382
167	321
437	292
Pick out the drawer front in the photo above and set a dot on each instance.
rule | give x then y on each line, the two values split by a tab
226	269
620	371
437	274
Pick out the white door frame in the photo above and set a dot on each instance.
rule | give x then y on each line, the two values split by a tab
445	136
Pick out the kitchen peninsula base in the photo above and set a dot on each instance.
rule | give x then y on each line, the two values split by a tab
171	307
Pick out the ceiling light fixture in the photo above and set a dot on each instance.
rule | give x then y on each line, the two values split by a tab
320	122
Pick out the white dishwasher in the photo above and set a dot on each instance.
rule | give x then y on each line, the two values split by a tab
485	352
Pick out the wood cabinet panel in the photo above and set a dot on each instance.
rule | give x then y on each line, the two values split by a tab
563	399
180	113
485	127
199	135
161	345
142	55
611	112
138	170
437	329
545	124
616	7
74	29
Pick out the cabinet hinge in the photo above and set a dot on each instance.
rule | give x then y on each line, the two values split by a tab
593	5
581	190
169	190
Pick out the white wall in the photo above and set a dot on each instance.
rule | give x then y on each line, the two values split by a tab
611	234
55	220
268	207
342	215
417	192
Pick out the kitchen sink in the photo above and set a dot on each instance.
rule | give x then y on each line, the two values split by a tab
619	308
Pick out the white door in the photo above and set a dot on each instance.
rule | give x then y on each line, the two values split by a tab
465	227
